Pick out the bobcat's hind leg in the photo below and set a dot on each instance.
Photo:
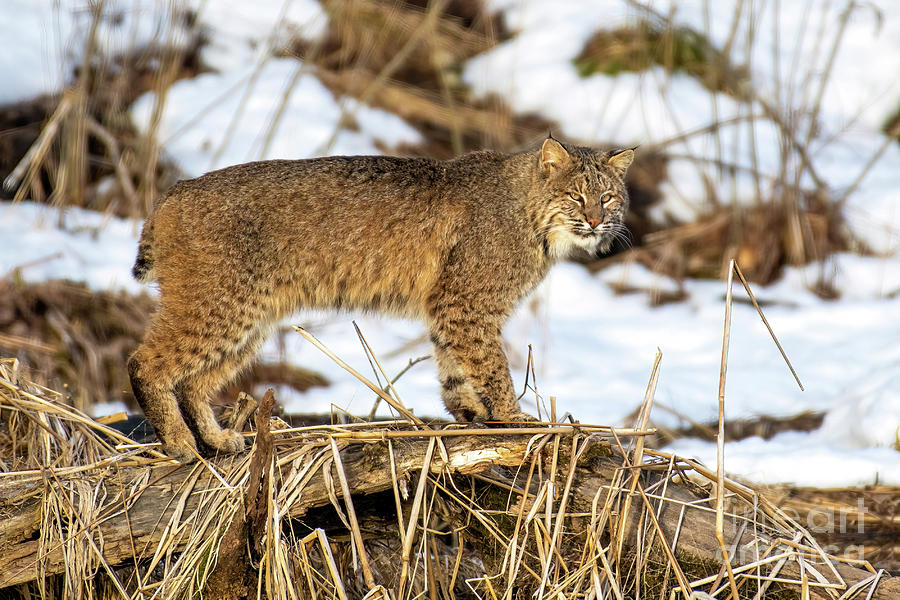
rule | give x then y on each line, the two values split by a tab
195	393
197	389
153	388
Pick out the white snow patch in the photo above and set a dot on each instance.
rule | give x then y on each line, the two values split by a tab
49	37
219	119
91	248
241	32
102	409
804	459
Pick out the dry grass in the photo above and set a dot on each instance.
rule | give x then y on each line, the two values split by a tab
861	522
72	338
406	509
762	426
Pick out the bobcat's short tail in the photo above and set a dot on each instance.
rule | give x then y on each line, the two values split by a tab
143	265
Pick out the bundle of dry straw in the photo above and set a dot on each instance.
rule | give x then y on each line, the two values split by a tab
397	509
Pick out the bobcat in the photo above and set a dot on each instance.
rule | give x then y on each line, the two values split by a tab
454	243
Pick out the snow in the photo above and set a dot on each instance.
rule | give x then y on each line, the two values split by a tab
805	37
593	348
242	32
48	40
534	69
220	119
804	459
95	249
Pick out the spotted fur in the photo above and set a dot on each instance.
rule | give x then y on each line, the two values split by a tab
456	244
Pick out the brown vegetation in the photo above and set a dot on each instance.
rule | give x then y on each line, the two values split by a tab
862	521
61	148
650	43
736	429
342	510
72	338
762	238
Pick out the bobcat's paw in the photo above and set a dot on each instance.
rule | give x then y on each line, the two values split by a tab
227	441
514	419
183	450
477	423
178	443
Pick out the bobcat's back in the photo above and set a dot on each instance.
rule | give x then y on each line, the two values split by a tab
358	232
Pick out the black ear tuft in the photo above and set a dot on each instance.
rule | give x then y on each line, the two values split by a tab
620	160
553	157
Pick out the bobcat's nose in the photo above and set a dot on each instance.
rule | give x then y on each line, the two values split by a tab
594	223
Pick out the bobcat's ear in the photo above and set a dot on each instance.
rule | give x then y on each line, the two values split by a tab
554	157
621	160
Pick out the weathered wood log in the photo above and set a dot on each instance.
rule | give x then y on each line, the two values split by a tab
366	466
129	531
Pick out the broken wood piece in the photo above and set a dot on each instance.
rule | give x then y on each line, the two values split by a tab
232	577
241	411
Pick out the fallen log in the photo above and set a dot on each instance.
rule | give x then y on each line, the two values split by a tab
593	512
163	491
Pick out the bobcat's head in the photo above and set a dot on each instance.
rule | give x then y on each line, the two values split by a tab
584	197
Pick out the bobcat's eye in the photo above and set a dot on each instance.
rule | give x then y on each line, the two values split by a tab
606	198
575	197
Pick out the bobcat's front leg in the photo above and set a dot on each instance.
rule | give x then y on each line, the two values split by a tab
457	393
474	373
466	310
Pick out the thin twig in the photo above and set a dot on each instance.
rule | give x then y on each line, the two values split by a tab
393	403
765	321
720	438
413	516
351	512
412	362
